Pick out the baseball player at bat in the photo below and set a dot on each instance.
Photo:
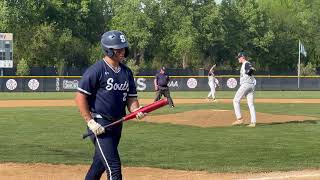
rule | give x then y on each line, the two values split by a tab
105	90
247	86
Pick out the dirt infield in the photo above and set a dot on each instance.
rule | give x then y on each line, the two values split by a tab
39	103
201	118
13	171
215	118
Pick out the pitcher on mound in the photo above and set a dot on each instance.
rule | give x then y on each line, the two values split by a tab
247	86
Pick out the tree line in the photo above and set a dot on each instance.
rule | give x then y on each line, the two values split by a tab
177	34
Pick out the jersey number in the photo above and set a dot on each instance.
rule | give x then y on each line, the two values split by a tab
124	97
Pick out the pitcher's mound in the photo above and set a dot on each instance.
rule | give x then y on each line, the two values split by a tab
214	117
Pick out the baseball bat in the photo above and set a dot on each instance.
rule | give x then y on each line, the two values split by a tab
145	109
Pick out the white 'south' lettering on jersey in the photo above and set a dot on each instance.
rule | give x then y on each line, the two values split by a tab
107	89
116	86
245	78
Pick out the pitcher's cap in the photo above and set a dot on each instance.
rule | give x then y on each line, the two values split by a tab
242	54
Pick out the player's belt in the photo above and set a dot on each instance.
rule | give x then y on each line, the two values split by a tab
96	115
163	87
99	116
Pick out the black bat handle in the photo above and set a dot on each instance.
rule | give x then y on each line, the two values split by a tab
86	135
105	127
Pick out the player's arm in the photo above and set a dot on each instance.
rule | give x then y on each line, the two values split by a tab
132	101
217	82
85	89
133	104
155	83
82	102
168	79
249	69
212	68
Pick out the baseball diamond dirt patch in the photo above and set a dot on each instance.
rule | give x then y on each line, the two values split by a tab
13	171
204	118
39	103
215	117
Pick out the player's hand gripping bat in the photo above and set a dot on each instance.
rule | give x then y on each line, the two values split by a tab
146	109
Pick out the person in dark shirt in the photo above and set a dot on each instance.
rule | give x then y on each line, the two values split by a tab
161	81
106	89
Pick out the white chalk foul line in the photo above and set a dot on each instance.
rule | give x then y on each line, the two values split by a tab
283	177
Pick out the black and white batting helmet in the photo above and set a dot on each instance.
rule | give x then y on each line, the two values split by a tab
114	40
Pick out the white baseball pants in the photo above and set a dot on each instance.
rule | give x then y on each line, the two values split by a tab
212	91
247	90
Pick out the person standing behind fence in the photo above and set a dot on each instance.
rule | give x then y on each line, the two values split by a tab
247	86
161	81
213	83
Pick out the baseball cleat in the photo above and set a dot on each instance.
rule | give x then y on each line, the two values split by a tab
237	122
252	125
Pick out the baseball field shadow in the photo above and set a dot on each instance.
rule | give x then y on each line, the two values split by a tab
293	122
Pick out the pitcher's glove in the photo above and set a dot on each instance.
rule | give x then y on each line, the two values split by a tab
95	127
251	71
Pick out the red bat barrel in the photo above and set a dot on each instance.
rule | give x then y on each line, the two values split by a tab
148	108
145	109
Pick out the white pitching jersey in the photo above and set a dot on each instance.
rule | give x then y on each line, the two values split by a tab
244	77
213	81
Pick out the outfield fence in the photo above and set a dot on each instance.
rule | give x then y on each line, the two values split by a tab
145	83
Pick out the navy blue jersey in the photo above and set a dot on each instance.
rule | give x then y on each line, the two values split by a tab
162	79
108	89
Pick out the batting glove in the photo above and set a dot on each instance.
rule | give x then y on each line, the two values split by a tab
95	127
140	115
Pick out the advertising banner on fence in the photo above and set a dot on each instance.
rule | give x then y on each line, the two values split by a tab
70	84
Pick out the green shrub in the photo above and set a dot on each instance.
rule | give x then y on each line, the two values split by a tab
131	63
307	70
23	68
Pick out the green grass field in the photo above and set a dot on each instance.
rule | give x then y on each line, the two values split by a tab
53	135
175	94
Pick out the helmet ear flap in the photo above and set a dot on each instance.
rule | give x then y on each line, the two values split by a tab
109	52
